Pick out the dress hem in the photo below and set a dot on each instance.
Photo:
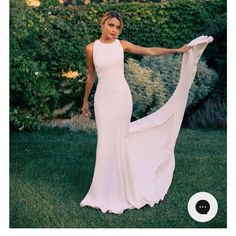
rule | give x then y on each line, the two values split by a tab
119	212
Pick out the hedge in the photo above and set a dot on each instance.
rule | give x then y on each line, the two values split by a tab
47	40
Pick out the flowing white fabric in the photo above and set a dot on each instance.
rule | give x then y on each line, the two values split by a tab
134	160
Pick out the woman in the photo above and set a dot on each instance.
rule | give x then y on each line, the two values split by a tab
112	25
131	170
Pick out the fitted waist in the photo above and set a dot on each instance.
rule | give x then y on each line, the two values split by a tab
116	80
115	85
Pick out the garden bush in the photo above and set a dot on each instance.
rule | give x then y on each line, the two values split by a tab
154	79
23	120
210	113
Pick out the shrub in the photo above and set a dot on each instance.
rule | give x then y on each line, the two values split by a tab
154	79
40	50
23	120
31	88
144	87
210	114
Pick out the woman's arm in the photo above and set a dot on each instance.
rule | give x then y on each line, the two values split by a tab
90	79
155	51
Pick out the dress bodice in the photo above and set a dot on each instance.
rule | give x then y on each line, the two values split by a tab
108	59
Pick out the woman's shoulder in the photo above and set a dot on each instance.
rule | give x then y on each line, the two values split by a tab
89	47
123	41
125	44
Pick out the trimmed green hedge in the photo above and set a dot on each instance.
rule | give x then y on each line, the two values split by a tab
48	39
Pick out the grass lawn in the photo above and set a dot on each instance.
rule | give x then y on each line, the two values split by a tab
51	171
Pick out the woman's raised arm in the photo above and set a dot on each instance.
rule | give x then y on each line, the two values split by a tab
152	51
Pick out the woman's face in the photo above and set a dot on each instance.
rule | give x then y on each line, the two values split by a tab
111	28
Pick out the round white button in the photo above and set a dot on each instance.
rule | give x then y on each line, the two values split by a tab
202	207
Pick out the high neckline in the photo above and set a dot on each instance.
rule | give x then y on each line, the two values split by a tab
106	43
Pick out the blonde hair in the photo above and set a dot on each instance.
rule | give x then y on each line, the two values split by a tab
112	14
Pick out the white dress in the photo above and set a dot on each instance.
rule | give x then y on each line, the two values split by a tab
134	160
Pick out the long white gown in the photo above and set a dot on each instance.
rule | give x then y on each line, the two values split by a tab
134	160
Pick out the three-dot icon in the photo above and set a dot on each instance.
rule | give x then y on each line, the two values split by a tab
202	206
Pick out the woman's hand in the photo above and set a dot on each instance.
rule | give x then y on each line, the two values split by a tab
183	49
85	109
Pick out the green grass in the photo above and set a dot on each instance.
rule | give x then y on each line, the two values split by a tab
51	171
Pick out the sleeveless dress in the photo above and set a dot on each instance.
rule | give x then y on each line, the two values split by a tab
134	160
